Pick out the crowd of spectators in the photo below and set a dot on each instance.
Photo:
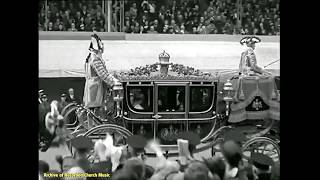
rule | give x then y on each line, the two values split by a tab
65	99
192	17
117	163
172	17
71	16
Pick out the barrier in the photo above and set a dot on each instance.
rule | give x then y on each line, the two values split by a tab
57	35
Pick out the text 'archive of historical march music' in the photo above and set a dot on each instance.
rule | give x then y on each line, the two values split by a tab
76	175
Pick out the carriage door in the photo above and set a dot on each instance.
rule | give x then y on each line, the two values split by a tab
170	110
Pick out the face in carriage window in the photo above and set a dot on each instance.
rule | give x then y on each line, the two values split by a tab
171	99
140	98
201	98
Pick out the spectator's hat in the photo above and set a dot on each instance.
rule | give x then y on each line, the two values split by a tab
250	40
82	143
137	142
261	161
41	91
63	95
192	137
235	135
81	25
196	170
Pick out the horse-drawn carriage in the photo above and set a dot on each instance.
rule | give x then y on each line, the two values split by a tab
161	100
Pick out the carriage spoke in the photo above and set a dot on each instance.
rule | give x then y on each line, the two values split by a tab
262	145
264	148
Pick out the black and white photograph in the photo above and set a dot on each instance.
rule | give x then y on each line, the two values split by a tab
159	89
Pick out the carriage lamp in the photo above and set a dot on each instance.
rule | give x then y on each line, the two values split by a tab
228	97
117	94
164	62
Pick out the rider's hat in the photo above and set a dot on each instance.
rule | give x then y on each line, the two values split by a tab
250	39
261	161
137	142
82	143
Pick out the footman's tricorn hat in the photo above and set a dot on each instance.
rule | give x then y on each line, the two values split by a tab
249	39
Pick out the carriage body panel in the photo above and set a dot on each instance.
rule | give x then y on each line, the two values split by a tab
170	106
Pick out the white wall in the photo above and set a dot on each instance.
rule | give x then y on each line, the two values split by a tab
69	55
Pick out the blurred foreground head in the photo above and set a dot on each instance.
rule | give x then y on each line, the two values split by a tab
124	174
135	165
232	152
196	170
75	170
216	166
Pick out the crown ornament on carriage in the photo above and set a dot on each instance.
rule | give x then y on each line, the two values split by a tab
164	63
164	57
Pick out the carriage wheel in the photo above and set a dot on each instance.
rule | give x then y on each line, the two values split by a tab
119	133
67	107
262	145
70	117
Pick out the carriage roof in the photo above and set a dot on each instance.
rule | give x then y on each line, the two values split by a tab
177	72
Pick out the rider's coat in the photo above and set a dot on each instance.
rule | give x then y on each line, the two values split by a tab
96	74
248	63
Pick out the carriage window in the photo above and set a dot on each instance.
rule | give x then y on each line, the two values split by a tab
171	98
140	98
201	98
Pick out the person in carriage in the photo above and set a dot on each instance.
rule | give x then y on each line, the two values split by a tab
248	63
97	76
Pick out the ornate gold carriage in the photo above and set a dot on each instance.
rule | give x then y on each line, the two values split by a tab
161	100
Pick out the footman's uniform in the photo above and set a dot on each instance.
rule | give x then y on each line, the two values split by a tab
96	74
